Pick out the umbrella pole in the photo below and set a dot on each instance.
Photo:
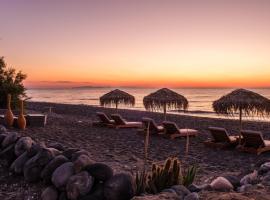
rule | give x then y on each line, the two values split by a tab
164	109
116	105
240	118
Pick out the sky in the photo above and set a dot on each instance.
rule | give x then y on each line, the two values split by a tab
152	43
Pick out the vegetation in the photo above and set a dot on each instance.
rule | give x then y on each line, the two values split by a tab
11	82
164	176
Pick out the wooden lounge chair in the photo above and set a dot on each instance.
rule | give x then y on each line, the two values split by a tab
172	130
104	120
154	129
221	138
120	122
253	142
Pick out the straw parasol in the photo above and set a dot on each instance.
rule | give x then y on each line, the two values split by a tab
165	99
116	97
242	102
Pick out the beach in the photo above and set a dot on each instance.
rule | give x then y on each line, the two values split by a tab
123	149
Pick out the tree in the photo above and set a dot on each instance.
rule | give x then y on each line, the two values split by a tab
11	82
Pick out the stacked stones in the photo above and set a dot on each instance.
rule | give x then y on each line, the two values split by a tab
69	173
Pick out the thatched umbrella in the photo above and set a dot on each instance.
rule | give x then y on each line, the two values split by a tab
164	99
116	97
242	102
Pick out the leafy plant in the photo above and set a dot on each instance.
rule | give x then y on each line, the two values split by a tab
11	82
162	177
189	176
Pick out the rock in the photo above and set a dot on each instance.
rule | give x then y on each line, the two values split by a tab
181	191
79	185
221	184
33	167
250	178
266	179
261	162
235	181
244	188
192	196
35	148
8	154
50	193
228	196
81	162
69	152
2	137
99	171
63	196
48	170
61	175
169	190
3	129
11	138
55	152
119	187
194	188
96	193
22	145
264	168
18	165
57	146
76	154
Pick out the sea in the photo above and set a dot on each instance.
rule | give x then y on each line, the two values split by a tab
200	99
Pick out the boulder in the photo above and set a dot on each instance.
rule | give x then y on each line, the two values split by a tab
57	146
180	190
18	165
2	137
79	185
235	181
228	196
63	196
221	184
48	170
264	168
96	193
244	188
69	152
119	187
61	175
251	178
99	171
81	162
22	145
266	179
8	154
192	196
11	138
33	167
50	193
76	154
35	148
3	129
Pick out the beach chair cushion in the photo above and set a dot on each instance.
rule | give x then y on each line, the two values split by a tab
153	127
220	135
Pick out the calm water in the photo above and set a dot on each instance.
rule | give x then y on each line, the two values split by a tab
200	100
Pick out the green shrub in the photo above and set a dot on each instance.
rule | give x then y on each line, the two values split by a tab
11	82
164	176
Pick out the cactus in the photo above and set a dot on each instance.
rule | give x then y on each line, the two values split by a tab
141	180
189	176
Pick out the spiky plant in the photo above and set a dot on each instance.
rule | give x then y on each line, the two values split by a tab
189	175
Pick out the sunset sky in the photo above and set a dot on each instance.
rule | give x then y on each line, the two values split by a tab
173	43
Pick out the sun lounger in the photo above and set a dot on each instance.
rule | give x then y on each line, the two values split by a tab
253	142
172	130
120	122
221	138
104	120
154	129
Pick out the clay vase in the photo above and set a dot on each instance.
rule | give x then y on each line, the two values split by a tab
21	118
9	117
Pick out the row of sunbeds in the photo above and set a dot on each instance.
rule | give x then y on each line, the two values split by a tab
250	141
167	129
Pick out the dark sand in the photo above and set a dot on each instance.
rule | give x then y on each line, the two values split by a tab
122	149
